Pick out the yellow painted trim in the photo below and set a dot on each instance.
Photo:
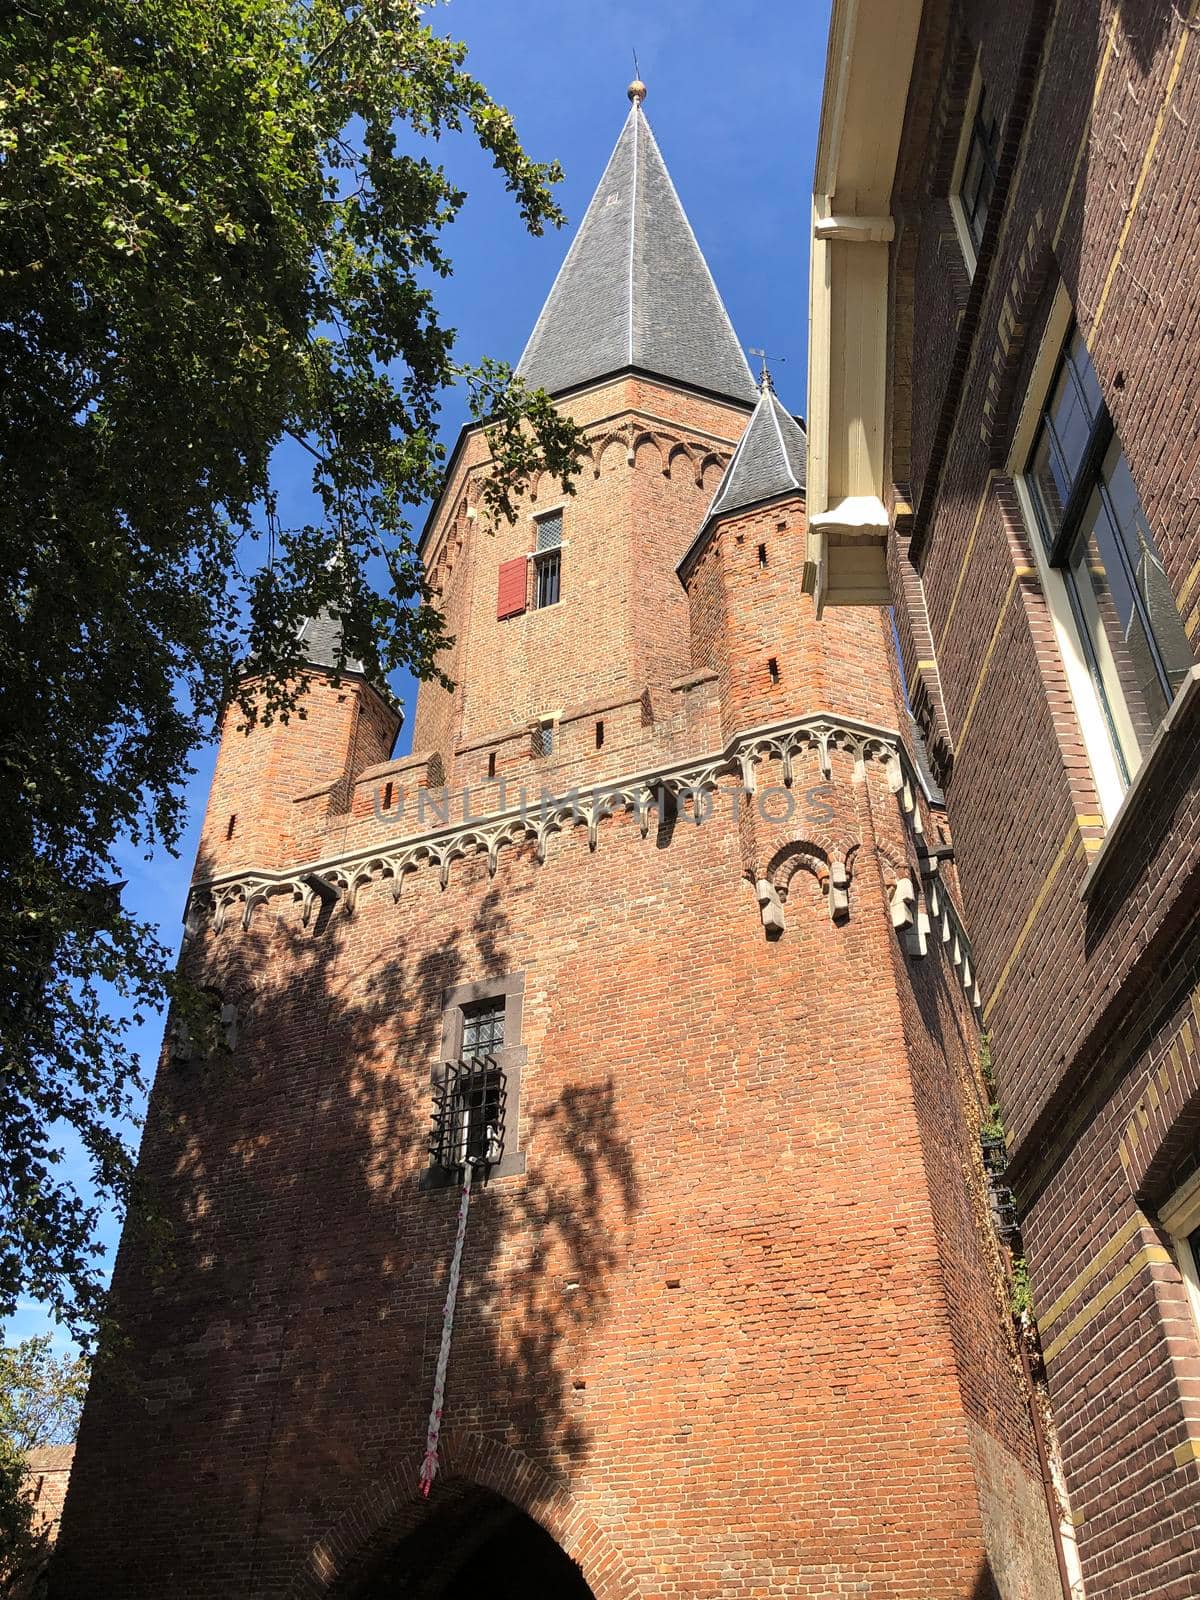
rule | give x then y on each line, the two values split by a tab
1072	835
1151	148
1097	1264
962	571
1189	1450
1189	585
1149	1255
1087	126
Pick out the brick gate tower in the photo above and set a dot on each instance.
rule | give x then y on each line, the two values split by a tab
656	931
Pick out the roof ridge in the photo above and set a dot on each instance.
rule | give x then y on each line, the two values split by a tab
776	407
687	222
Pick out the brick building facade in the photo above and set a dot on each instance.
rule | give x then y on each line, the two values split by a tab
1026	189
641	920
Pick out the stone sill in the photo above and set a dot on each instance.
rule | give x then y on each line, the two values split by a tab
1183	707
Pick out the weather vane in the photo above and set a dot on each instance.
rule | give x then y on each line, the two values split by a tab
765	381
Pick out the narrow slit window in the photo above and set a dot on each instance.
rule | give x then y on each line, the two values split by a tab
491	763
229	831
599	735
762	555
773	669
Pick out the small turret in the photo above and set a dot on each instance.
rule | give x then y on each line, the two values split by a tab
275	782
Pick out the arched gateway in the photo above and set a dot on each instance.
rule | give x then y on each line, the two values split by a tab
472	1541
494	1520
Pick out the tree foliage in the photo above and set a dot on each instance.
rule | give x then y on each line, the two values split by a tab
220	229
41	1397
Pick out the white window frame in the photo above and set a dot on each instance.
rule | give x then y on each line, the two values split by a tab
1089	712
1180	1216
957	210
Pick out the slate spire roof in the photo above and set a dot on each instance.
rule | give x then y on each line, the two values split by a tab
634	290
770	460
320	639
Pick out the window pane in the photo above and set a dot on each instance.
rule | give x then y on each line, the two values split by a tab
972	176
982	201
1050	483
1121	651
1149	574
483	1028
1085	376
549	530
1069	421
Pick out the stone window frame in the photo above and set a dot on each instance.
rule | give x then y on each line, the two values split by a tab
1180	1216
510	1059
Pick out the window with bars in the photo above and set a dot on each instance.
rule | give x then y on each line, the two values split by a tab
547	560
476	1083
978	182
1094	531
483	1027
547	579
469	1098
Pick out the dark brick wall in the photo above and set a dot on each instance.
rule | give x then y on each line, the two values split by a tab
1081	993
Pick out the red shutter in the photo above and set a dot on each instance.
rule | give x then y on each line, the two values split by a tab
513	579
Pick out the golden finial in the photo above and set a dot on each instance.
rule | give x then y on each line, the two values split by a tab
637	89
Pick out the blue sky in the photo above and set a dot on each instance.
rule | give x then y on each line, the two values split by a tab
734	97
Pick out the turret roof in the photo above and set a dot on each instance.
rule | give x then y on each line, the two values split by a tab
634	290
770	460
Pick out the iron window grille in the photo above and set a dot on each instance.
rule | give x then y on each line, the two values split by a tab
547	578
979	170
468	1116
1000	1197
1095	532
542	742
469	1099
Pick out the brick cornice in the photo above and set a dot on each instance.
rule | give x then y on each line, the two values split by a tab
338	877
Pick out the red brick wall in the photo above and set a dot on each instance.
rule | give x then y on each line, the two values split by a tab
746	614
729	1331
713	1304
621	626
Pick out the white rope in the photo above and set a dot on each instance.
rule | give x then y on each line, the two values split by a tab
429	1466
